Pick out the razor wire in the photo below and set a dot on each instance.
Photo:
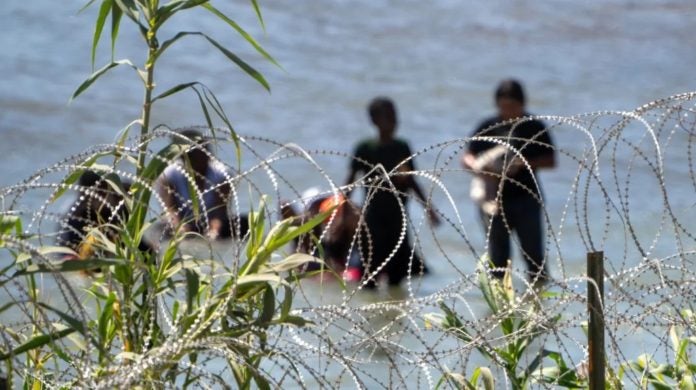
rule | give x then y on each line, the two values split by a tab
625	185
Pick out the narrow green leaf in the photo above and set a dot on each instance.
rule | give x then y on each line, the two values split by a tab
67	266
166	11
459	380
215	104
106	318
44	251
170	9
37	342
175	89
261	382
206	114
486	286
74	323
116	15
268	309
7	306
166	44
297	321
84	7
193	3
233	57
256	229
293	261
99	27
487	378
243	65
283	232
131	10
94	76
193	284
241	32
258	13
253	279
537	361
286	306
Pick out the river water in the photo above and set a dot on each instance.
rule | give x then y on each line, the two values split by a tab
439	60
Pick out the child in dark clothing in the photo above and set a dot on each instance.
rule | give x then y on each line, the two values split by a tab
99	206
385	201
99	211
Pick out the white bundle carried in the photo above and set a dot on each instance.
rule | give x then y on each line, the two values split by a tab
488	169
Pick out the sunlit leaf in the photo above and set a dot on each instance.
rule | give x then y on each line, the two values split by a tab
106	317
71	321
104	11
37	342
258	13
96	75
116	15
487	378
241	32
67	266
287	303
173	90
84	7
129	8
241	63
294	261
46	250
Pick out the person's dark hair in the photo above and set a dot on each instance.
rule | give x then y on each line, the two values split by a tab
89	178
510	89
381	104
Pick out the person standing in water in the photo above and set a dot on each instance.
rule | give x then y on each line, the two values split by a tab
515	204
385	204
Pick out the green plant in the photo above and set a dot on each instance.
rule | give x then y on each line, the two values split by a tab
208	306
148	319
149	16
520	324
677	374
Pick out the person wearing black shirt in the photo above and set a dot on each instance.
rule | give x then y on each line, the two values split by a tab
386	205
516	196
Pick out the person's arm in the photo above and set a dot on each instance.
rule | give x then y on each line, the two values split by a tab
218	216
468	160
432	215
413	184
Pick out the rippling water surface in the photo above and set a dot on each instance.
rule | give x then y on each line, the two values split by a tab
439	60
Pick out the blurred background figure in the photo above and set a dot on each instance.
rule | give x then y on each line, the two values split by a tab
98	214
98	206
336	233
385	206
504	188
196	191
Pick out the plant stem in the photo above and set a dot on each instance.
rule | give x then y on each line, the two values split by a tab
147	101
